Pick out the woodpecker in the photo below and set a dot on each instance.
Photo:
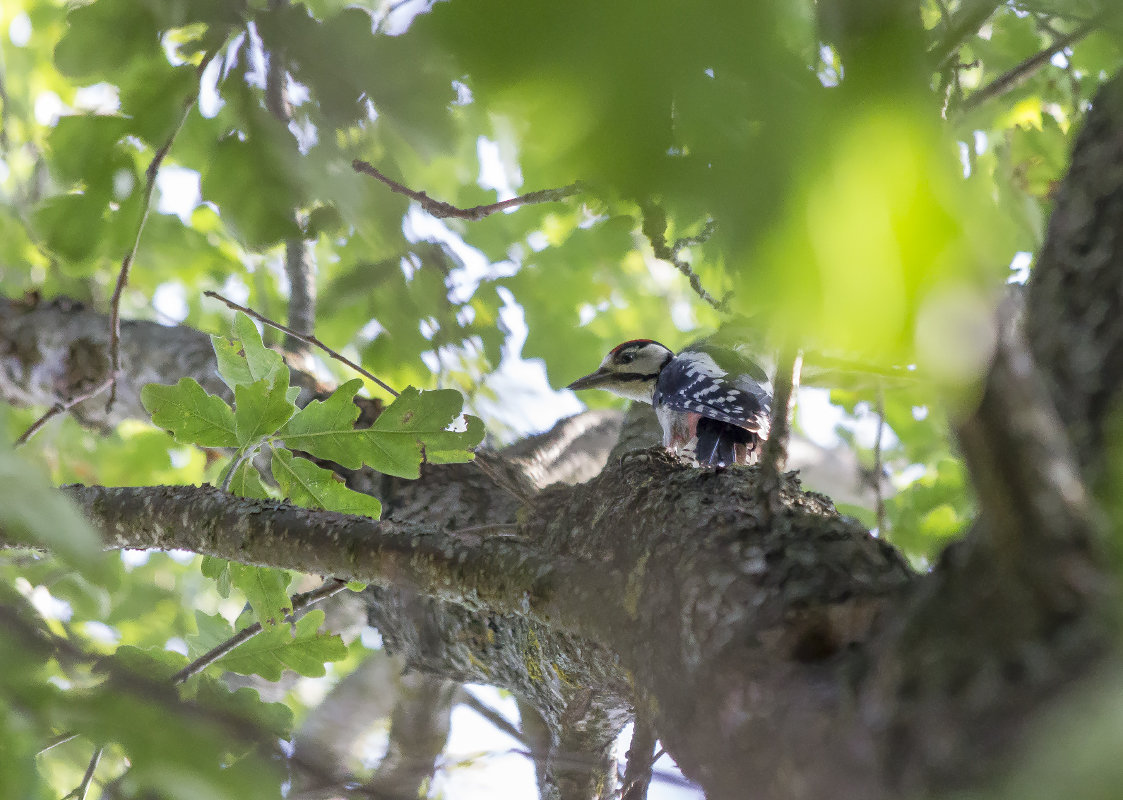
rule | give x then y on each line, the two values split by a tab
708	399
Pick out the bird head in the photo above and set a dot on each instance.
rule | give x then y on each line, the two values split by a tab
629	370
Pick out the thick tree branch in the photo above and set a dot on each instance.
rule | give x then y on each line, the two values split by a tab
419	728
1074	294
641	758
1036	559
497	574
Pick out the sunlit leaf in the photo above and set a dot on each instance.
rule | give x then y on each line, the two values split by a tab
306	484
303	649
192	415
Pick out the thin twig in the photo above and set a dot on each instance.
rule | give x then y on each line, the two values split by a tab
966	22
145	209
79	792
443	210
491	715
61	739
303	337
655	229
1015	76
775	455
877	466
329	588
61	408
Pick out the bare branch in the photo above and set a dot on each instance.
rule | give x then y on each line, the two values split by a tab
145	207
877	464
1016	75
655	229
443	210
61	408
79	792
641	758
299	266
966	22
329	588
775	456
466	698
300	270
302	337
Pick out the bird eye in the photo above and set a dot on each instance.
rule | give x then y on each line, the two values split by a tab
626	358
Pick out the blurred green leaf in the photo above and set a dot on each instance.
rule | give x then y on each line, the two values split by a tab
264	217
72	226
218	569
212	630
34	513
103	38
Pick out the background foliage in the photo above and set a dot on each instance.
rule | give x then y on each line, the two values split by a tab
863	182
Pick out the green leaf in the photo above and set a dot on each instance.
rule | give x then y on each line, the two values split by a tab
415	420
266	590
217	569
440	450
84	149
213	630
232	365
246	359
85	49
192	415
265	216
304	650
326	428
274	719
71	225
152	662
306	484
264	364
261	408
393	444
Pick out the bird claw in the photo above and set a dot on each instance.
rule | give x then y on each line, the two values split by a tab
639	454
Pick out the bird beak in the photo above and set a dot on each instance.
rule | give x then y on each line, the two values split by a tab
591	381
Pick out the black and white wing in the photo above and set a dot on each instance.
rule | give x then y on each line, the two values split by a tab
717	383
